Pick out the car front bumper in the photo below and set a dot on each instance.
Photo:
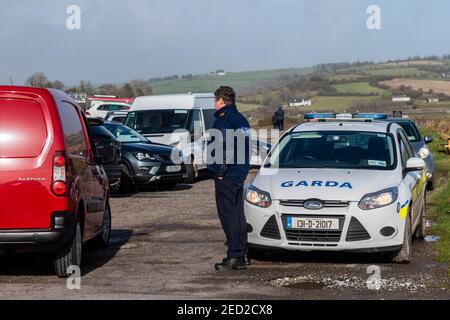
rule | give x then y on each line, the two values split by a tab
157	172
359	230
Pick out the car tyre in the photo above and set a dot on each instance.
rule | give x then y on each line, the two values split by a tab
126	181
405	253
70	255
430	185
191	172
102	240
421	228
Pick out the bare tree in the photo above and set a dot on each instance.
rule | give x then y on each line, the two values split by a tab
57	85
141	88
38	80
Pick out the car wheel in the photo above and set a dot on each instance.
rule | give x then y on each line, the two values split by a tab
421	228
126	181
191	172
70	255
405	253
102	240
430	185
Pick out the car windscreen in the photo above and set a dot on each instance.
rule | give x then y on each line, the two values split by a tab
158	121
125	134
334	149
411	131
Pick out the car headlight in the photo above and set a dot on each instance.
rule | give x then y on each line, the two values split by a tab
424	152
379	199
258	197
141	156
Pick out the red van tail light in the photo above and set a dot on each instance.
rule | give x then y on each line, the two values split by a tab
59	186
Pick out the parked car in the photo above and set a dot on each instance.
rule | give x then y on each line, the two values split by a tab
100	110
145	162
54	192
339	183
158	117
105	141
117	116
419	145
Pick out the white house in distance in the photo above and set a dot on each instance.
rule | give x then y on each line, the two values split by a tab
432	99
300	102
401	99
221	72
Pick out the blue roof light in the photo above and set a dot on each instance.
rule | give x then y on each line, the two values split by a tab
320	116
374	116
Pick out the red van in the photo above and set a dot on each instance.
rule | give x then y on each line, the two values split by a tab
54	193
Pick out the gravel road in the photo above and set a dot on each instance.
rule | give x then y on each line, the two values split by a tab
165	243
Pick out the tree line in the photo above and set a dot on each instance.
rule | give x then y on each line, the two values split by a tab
131	89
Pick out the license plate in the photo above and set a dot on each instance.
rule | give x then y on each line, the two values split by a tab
173	168
312	223
344	116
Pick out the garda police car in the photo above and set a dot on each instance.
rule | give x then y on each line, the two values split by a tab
339	182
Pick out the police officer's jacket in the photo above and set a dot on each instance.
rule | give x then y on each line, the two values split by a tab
228	117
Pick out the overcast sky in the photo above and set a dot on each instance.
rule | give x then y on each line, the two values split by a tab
121	40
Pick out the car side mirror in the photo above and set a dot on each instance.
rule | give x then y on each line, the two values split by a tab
415	164
428	139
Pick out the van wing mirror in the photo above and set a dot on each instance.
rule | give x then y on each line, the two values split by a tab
428	139
415	164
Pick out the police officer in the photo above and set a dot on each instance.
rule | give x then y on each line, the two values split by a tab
229	177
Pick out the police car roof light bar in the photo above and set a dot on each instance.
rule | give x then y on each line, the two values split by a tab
345	116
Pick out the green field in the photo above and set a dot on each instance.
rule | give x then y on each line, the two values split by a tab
335	104
398	72
245	107
359	87
237	80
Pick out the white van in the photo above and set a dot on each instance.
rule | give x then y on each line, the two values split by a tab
158	117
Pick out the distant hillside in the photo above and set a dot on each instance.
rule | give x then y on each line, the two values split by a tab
238	80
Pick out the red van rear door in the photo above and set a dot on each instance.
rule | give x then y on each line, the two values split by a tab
25	163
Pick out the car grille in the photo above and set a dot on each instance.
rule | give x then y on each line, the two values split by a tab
314	235
326	203
356	231
170	177
271	229
165	157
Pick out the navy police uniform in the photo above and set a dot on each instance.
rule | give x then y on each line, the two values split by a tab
229	189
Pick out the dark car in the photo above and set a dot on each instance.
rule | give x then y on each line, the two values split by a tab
54	192
419	144
105	142
145	162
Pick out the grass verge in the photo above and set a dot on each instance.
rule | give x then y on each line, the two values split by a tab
439	199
